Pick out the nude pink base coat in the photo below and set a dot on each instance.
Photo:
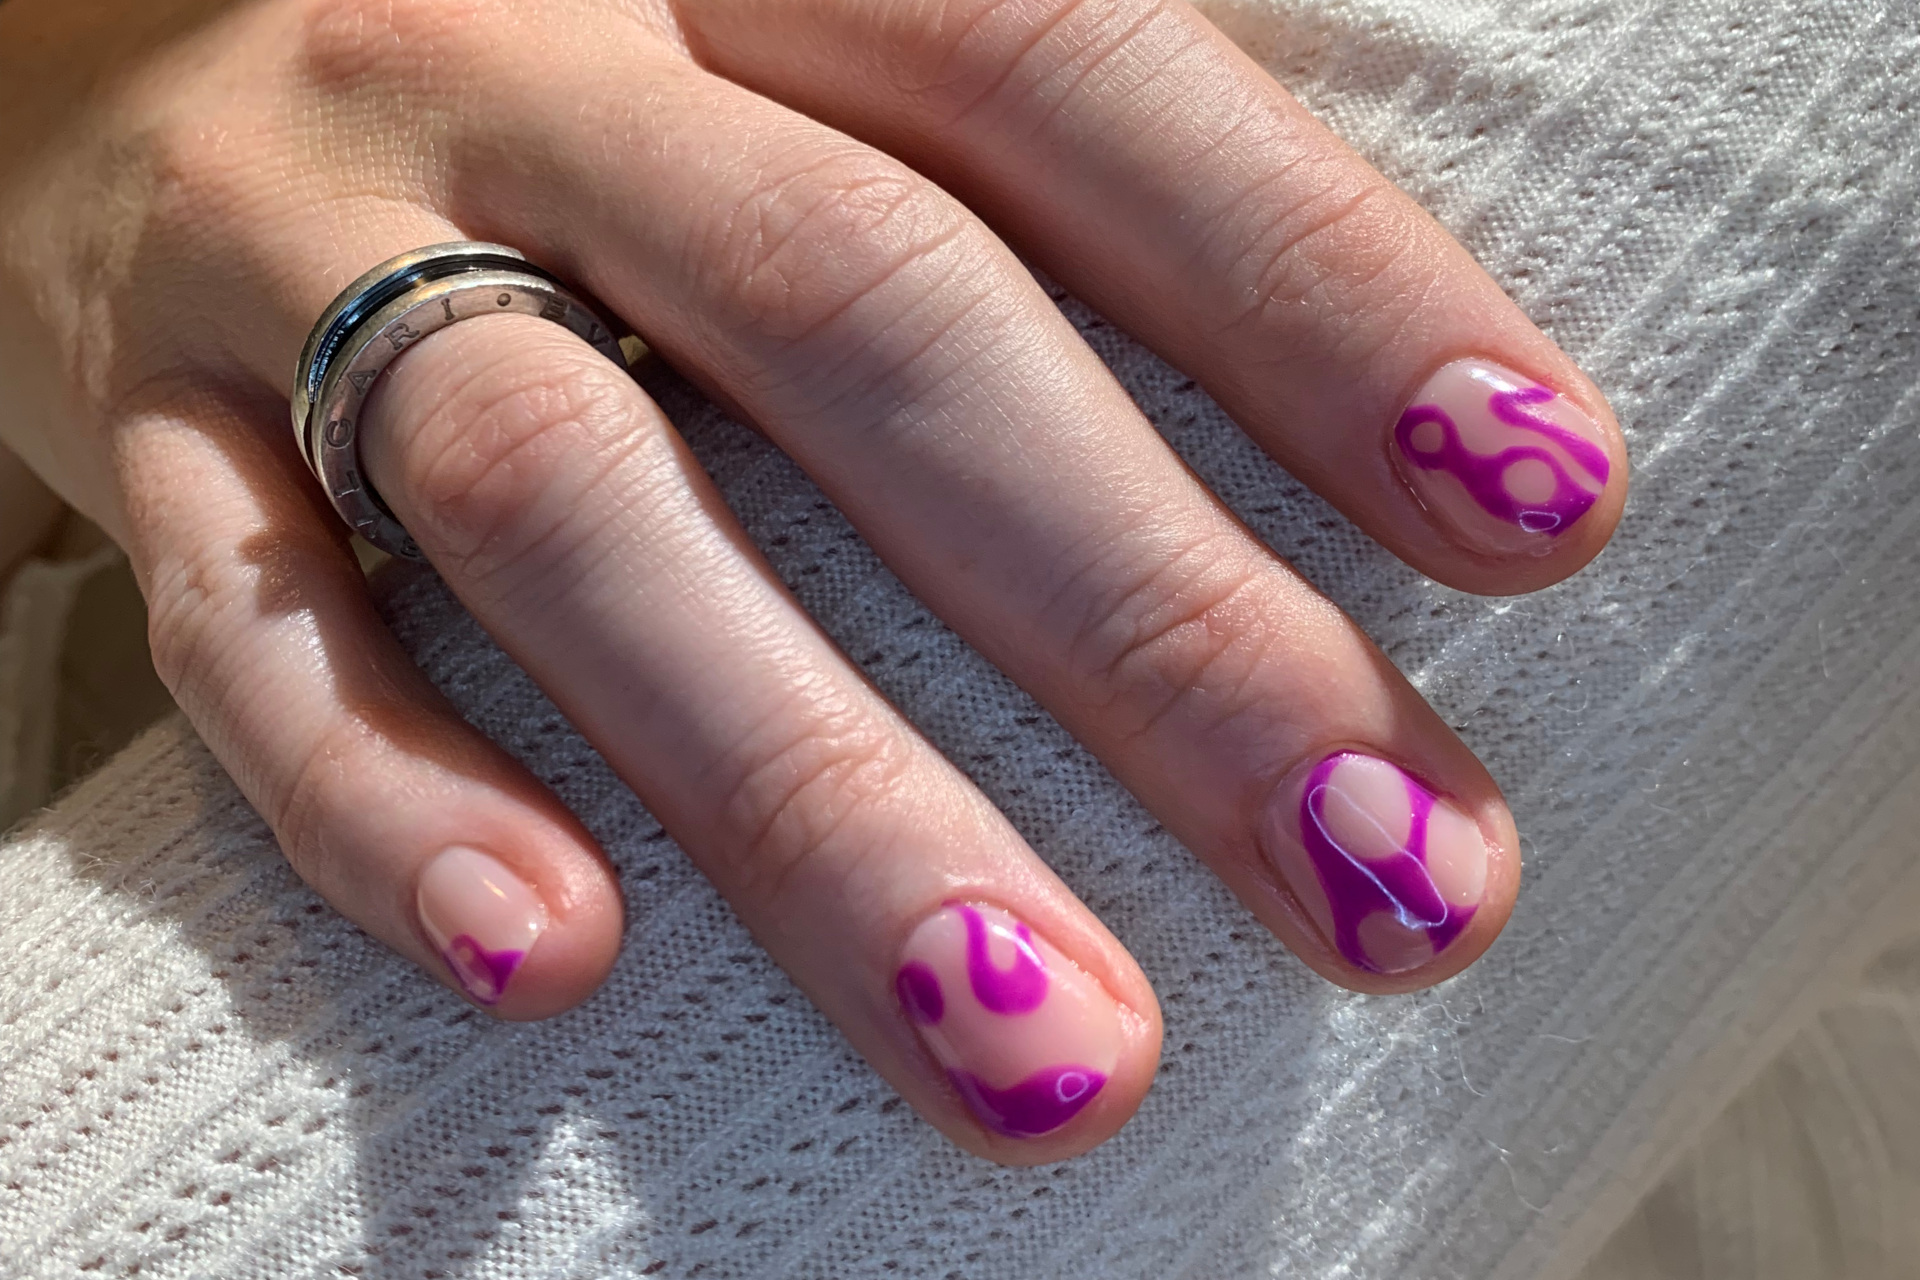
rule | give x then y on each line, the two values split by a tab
482	917
1506	464
1027	1038
1390	873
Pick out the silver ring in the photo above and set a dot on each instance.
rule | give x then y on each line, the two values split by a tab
380	315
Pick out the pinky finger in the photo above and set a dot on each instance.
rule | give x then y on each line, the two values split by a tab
400	813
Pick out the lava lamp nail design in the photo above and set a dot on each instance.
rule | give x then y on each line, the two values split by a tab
1391	873
1507	464
482	917
1027	1038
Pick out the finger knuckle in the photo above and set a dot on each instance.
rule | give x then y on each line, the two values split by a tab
966	58
303	804
835	227
1190	622
183	627
209	611
193	177
868	297
517	460
802	787
347	46
194	170
203	598
1342	262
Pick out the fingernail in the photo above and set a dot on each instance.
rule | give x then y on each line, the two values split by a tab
1389	872
484	918
1507	464
1027	1038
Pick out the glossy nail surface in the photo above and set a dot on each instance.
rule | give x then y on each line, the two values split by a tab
1027	1038
1506	464
1390	873
482	917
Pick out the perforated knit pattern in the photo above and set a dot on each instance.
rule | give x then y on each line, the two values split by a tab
203	1072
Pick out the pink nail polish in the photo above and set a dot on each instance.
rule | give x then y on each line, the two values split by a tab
1507	464
1390	873
483	917
1027	1038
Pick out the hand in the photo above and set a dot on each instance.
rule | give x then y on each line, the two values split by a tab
790	201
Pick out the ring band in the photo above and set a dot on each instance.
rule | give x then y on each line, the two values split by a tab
383	313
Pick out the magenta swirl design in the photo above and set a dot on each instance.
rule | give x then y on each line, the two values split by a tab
482	972
1398	884
1017	989
1027	1039
1489	395
481	915
918	987
1039	1104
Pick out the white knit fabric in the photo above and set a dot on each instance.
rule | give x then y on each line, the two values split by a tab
1711	740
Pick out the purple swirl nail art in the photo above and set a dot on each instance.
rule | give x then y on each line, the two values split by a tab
1484	476
1018	989
1358	887
469	961
1026	1037
1038	1104
918	987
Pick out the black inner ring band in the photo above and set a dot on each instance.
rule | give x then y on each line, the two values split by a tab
371	300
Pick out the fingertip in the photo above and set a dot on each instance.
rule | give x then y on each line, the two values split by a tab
1381	879
1126	1090
566	911
1520	477
438	843
1038	1035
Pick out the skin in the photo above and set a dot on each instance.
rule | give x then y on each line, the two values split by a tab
806	206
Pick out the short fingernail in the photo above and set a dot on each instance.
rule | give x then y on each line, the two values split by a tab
1026	1036
483	917
1389	872
1505	463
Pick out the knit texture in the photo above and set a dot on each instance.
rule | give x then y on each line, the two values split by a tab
1710	738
